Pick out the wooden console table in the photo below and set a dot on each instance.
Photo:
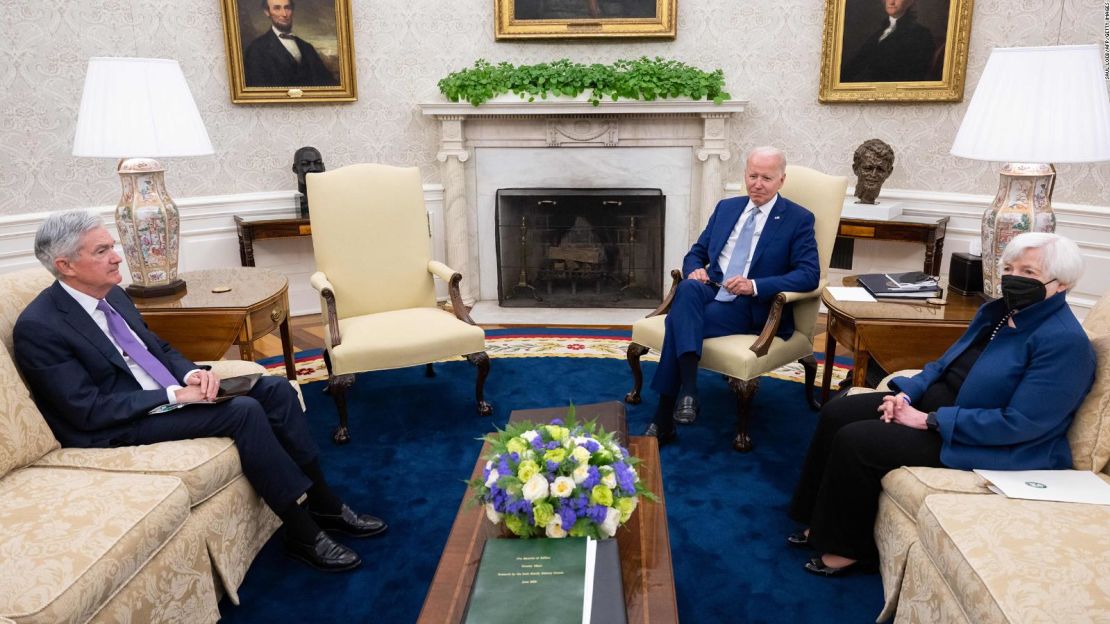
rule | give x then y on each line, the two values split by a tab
250	230
203	324
899	335
929	231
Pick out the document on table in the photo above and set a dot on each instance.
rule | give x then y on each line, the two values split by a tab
1066	486
846	293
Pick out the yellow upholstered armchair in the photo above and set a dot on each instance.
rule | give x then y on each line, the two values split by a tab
374	273
742	358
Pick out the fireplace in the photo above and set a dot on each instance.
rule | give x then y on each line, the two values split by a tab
579	248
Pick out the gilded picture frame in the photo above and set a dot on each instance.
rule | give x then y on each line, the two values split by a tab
584	19
922	58
278	52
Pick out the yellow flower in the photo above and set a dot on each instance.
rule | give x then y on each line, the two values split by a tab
556	432
517	445
601	495
555	455
526	470
542	513
516	525
626	506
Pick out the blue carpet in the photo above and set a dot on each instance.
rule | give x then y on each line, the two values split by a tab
414	442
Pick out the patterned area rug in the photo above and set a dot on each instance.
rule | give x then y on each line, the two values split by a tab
534	342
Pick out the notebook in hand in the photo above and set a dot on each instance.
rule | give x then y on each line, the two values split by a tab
230	388
913	285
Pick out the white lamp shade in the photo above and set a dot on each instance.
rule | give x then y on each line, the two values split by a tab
1038	105
138	107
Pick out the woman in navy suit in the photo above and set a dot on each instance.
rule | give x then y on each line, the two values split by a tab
1002	398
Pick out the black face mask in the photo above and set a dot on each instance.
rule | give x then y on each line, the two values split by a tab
1021	292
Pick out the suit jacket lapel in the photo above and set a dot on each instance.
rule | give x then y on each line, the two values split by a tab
725	225
771	229
83	325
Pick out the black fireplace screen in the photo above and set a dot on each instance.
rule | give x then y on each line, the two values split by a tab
580	248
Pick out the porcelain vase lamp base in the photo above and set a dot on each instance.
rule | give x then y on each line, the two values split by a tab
1023	204
149	229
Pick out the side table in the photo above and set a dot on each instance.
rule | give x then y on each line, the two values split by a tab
203	324
250	230
929	231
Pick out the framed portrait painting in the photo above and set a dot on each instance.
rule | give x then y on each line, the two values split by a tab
580	19
895	50
287	51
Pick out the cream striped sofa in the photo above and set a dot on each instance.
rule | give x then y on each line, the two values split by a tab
151	533
951	551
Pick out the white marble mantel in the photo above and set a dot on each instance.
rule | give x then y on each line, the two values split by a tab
508	122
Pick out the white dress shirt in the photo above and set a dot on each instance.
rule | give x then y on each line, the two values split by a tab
88	304
889	29
289	43
730	244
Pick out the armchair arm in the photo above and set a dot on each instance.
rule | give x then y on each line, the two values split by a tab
452	278
763	343
676	277
320	282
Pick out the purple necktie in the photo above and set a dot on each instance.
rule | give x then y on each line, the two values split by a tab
134	349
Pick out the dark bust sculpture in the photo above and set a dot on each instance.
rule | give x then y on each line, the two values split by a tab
306	160
872	163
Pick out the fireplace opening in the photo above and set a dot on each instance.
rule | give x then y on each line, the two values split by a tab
580	248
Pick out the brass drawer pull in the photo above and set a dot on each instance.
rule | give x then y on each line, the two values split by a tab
275	314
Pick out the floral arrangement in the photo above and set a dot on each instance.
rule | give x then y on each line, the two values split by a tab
558	479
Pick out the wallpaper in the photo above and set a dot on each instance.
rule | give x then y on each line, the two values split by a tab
769	51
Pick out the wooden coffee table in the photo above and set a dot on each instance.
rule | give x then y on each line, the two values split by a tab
646	573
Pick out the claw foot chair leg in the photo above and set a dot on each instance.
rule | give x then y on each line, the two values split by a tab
635	352
481	360
327	367
337	387
809	363
744	391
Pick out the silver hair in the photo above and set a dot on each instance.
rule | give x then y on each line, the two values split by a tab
1061	259
60	234
768	150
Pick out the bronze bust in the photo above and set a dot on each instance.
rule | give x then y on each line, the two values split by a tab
872	163
306	160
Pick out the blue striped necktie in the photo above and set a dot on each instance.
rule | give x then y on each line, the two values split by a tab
739	255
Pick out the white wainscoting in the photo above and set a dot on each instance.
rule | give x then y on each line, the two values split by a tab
209	239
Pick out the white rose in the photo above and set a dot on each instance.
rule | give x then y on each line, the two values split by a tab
609	481
489	464
528	455
554	528
530	435
580	439
581	455
580	473
612	520
491	480
562	487
493	515
535	488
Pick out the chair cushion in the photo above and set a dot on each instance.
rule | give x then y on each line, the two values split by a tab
1018	560
69	539
204	465
1089	434
402	338
908	486
729	355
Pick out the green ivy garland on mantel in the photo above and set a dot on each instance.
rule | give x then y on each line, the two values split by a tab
640	79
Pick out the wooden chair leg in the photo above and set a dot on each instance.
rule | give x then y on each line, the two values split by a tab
337	387
429	371
327	367
481	360
635	352
744	391
809	363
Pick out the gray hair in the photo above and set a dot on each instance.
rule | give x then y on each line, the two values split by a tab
768	150
60	234
1061	259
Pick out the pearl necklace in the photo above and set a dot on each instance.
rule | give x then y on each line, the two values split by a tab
1006	318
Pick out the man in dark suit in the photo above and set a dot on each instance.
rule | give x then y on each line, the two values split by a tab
901	50
281	59
752	249
96	371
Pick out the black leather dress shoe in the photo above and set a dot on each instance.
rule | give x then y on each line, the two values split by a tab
324	554
662	438
686	409
818	567
350	523
798	539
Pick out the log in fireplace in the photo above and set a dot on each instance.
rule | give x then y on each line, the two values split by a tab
580	248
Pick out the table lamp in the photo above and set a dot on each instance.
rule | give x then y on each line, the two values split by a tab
1032	107
137	110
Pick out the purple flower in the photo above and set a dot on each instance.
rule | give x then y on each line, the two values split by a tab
593	478
552	445
568	516
503	466
591	446
537	443
596	513
626	480
552	466
557	421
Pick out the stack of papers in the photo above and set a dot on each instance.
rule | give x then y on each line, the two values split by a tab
1068	486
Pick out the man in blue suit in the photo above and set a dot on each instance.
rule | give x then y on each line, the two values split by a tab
96	372
752	249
